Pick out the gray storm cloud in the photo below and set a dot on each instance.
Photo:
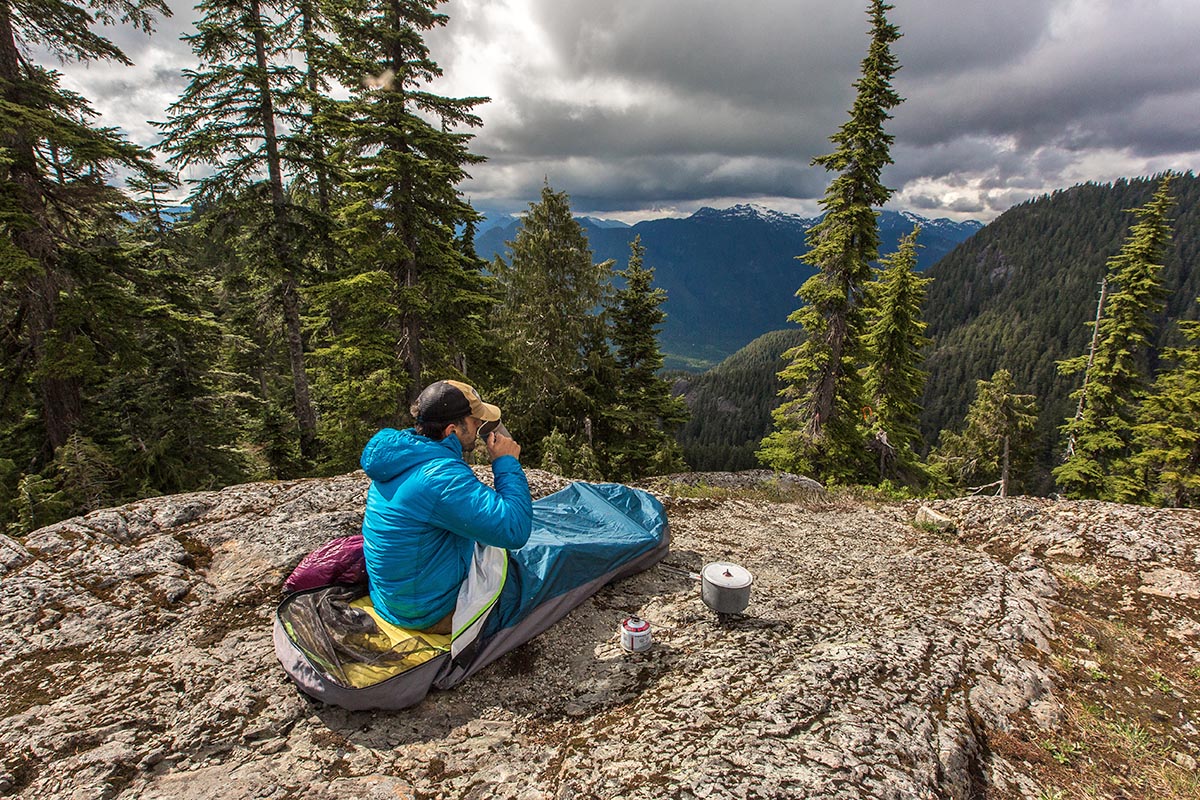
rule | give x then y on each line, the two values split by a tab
629	104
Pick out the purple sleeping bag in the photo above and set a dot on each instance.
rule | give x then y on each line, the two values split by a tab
337	561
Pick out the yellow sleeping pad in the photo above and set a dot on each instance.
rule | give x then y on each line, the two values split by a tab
401	649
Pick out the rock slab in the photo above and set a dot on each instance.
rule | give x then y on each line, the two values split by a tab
874	660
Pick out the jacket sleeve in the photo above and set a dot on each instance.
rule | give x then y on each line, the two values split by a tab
501	517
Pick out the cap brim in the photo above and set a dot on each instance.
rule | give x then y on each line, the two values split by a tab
485	411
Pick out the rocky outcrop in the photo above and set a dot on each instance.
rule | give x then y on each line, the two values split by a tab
877	658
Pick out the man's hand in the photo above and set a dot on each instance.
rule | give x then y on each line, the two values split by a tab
501	445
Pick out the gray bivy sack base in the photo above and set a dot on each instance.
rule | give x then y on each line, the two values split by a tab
334	645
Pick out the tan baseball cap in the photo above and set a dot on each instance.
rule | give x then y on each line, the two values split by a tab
446	401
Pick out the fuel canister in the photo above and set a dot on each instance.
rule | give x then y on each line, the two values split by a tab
635	634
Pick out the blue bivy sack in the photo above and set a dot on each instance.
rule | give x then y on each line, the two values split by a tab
337	649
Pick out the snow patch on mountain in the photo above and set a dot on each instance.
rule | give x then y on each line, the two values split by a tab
754	211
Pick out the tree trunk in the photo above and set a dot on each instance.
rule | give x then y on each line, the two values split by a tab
1004	470
825	394
310	44
306	418
1091	359
409	269
61	395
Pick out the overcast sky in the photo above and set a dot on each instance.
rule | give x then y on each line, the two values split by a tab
642	108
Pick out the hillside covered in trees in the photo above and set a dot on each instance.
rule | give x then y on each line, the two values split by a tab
1019	296
731	404
731	274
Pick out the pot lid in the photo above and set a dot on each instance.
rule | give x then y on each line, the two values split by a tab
727	576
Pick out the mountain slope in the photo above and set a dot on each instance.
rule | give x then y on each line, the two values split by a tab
731	404
731	275
1019	294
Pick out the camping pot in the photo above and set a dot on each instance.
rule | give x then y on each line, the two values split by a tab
725	588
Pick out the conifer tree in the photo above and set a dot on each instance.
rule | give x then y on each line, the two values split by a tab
816	427
646	416
547	320
221	244
235	116
996	442
403	151
172	424
1116	379
308	142
895	344
56	211
54	194
1165	467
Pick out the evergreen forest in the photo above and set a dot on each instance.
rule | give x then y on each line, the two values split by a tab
1018	297
324	270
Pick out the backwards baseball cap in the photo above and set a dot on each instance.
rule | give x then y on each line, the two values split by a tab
447	401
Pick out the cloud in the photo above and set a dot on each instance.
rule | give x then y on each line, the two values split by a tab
630	105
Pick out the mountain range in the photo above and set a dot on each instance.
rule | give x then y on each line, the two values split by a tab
730	274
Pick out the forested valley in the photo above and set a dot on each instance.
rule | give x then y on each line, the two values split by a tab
324	270
1020	295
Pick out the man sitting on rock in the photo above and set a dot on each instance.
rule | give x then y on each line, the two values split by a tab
426	509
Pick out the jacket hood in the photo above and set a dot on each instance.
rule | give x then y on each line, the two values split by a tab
391	452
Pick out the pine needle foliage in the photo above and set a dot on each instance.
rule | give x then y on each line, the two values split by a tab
895	345
235	117
74	301
1165	466
1117	378
817	430
997	442
551	325
402	151
55	166
646	415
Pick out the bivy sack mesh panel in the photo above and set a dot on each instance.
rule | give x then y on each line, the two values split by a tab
404	690
337	647
343	636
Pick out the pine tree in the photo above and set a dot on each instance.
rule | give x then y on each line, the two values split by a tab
1165	467
895	344
997	440
403	151
307	142
172	425
816	427
54	165
1116	372
235	116
220	243
547	320
57	210
646	416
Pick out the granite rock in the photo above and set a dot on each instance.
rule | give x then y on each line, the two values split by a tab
874	660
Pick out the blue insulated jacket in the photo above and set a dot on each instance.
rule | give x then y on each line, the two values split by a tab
425	511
